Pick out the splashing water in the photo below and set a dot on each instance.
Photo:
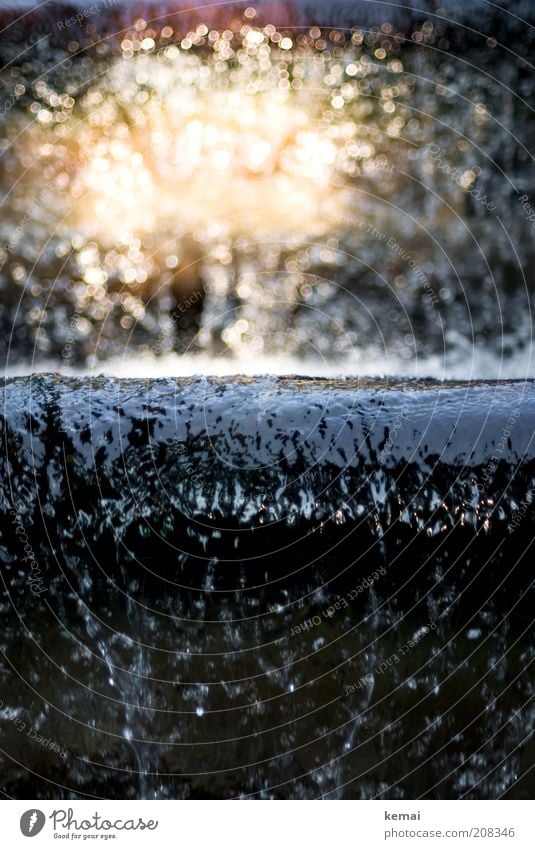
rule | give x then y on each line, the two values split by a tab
230	195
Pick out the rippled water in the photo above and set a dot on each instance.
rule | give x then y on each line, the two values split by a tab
268	588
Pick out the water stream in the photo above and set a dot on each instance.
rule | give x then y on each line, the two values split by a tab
329	599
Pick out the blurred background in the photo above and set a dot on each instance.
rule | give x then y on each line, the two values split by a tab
209	191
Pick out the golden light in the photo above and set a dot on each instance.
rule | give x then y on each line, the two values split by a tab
193	153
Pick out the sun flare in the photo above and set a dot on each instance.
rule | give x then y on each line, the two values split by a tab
194	156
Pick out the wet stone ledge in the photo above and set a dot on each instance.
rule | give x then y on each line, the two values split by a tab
241	467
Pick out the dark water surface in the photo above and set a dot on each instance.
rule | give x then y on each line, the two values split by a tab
322	594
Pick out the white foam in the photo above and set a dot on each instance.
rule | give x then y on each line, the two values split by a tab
479	365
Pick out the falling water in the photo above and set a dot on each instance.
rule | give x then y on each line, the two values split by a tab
257	614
